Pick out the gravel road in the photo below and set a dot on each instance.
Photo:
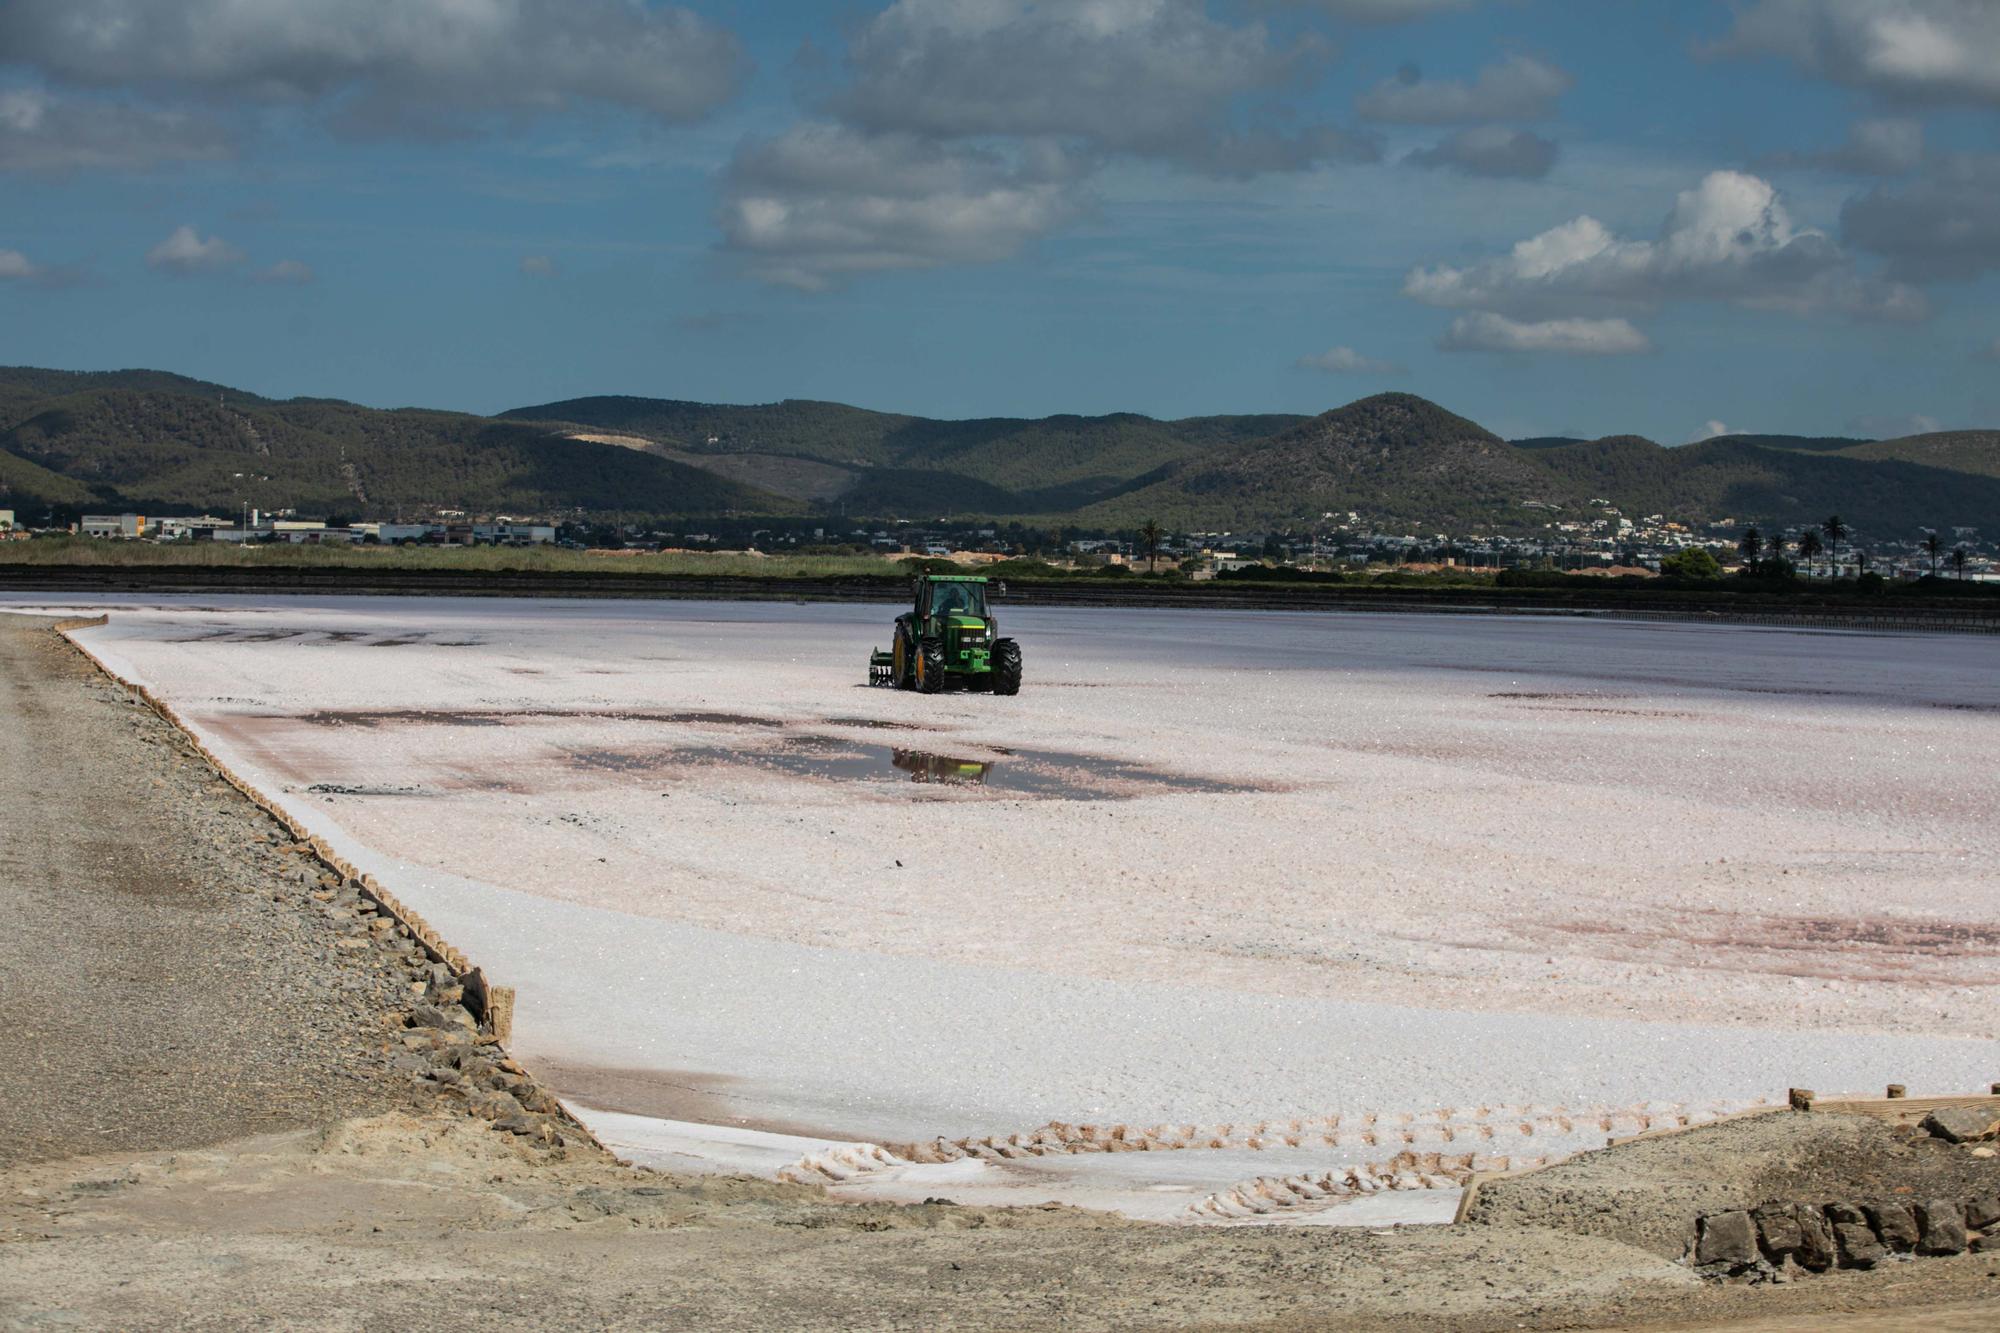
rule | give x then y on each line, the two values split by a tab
170	981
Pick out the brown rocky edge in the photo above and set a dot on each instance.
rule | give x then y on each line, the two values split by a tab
456	1021
1774	1196
1781	1238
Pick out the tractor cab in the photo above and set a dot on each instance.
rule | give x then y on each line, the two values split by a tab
945	598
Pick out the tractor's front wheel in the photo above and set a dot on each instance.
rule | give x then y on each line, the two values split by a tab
930	668
1006	667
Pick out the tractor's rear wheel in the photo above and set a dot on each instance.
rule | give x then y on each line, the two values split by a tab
930	668
1006	667
903	672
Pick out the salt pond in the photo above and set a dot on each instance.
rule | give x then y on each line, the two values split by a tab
1373	883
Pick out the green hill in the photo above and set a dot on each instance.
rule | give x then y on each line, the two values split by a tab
1396	458
1020	465
1405	463
1973	451
1802	444
163	444
1732	478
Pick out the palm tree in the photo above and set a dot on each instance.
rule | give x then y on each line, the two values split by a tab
1751	544
1151	535
1860	562
1809	547
1934	544
1836	532
1960	557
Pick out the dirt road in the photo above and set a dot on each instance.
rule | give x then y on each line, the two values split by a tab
166	983
210	1118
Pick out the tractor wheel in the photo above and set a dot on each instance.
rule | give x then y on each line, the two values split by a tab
930	668
903	669
1006	667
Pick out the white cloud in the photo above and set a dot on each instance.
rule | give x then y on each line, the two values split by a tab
1728	239
1492	151
287	273
1483	331
43	132
387	65
1347	361
1714	430
538	266
15	267
1518	88
1154	78
1892	147
1922	50
184	251
824	202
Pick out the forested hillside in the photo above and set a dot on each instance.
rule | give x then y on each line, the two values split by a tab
163	443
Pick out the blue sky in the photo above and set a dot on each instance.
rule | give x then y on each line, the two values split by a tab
1774	215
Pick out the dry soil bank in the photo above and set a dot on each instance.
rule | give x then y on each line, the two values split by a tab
214	1118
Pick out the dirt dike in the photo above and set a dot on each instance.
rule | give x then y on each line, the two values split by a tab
180	968
1649	1192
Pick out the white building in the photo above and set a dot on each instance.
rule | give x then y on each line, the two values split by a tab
169	529
127	526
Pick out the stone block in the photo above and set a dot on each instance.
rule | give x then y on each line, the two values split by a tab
1940	1227
1895	1224
1817	1250
1858	1246
1959	1124
1778	1230
1726	1238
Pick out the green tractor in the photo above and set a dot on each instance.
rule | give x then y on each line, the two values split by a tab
947	638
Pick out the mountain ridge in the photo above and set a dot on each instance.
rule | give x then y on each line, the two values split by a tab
164	442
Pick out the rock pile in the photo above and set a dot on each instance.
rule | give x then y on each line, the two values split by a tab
442	1047
1776	1240
1962	1124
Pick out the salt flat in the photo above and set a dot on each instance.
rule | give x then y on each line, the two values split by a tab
1370	883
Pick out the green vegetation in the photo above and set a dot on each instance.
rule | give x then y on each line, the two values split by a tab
1973	451
473	559
1692	564
915	466
1396	457
156	444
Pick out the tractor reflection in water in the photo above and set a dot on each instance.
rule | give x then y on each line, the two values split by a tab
924	767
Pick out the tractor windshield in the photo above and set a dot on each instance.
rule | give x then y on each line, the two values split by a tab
958	599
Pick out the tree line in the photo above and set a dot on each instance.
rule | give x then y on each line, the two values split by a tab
1768	556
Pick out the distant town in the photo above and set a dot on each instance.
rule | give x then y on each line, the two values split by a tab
1606	542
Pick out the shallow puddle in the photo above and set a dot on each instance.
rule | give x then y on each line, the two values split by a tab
1042	774
501	717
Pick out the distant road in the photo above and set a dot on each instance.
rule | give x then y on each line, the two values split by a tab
1804	612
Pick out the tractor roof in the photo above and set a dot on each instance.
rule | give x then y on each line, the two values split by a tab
957	578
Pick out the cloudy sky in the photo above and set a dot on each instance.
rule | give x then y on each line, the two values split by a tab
1555	216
